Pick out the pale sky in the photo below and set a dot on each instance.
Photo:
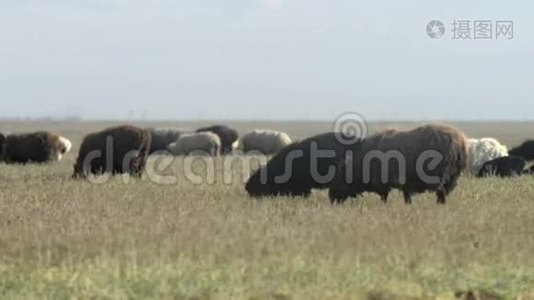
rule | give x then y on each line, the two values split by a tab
262	59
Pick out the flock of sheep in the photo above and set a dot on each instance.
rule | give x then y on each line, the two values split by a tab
215	140
294	168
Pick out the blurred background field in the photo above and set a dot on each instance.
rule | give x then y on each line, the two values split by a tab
131	239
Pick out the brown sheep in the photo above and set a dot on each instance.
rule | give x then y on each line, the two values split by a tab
116	150
427	158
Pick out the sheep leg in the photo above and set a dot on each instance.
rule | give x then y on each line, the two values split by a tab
338	200
336	197
407	197
384	197
136	173
303	193
442	196
449	186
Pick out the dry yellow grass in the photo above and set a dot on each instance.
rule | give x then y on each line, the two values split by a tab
69	239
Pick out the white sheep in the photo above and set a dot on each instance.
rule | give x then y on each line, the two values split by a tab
206	143
483	150
265	141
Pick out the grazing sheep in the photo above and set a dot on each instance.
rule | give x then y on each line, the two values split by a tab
427	158
267	142
36	147
505	166
206	143
305	165
163	137
116	150
483	150
525	150
227	135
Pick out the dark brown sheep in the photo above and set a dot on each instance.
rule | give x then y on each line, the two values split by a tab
299	168
36	147
427	158
116	150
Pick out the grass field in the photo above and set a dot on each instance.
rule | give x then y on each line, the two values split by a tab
143	239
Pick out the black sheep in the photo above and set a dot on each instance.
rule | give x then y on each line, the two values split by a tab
505	166
525	150
299	168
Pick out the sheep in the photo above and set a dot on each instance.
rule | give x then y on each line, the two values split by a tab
35	147
115	150
483	150
505	166
525	150
427	158
228	136
163	137
267	142
196	143
305	165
